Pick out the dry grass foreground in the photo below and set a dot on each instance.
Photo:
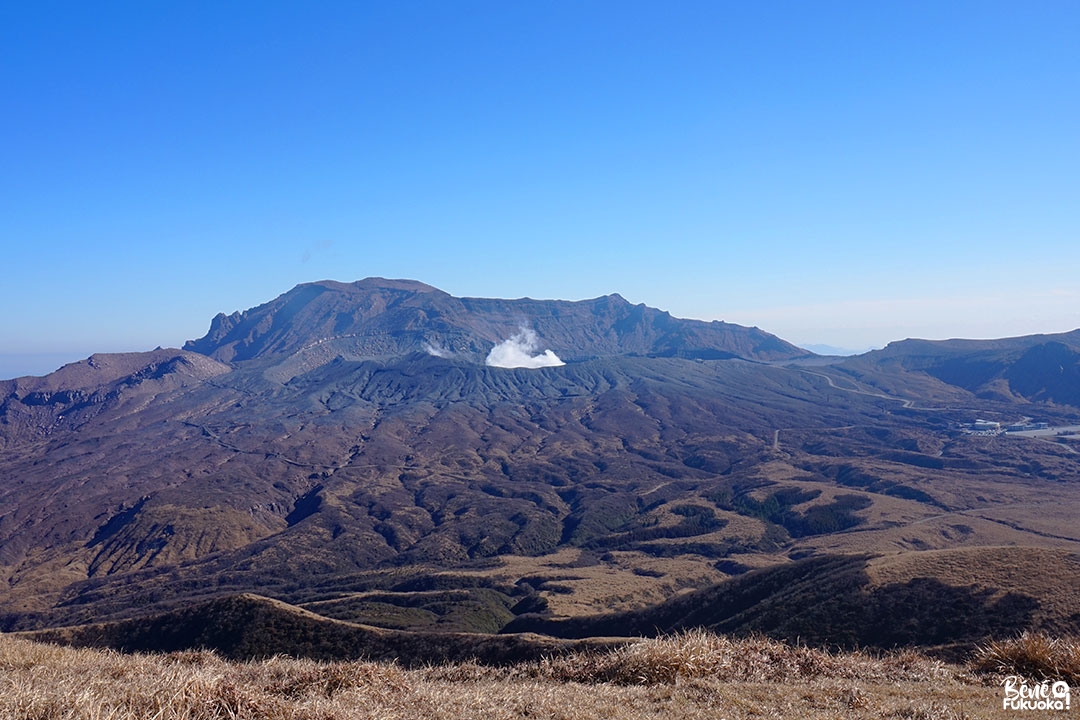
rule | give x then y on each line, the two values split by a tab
693	675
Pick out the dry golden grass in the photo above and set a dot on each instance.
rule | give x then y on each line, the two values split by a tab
699	654
694	675
1051	575
617	583
1032	655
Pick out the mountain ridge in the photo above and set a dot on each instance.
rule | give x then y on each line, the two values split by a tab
1042	367
346	448
377	318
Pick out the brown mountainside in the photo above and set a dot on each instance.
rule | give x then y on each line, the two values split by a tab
377	318
344	448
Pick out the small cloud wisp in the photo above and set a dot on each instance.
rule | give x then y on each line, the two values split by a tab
519	351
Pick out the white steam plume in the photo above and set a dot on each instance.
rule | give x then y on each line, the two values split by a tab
437	351
520	352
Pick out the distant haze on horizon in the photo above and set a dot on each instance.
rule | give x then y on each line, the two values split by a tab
40	363
842	173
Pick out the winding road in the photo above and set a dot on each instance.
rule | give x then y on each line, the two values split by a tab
834	386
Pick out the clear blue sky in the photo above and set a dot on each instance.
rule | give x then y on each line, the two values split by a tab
846	173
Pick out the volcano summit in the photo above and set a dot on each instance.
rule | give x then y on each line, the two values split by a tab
381	452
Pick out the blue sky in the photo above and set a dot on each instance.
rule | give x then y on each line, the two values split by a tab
847	173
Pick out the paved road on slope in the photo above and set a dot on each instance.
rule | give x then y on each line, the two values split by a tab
906	403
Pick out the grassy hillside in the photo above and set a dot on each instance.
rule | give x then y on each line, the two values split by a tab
943	602
248	626
937	598
689	676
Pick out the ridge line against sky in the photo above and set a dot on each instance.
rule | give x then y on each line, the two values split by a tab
842	173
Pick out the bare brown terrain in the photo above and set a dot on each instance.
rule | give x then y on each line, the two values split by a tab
345	450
